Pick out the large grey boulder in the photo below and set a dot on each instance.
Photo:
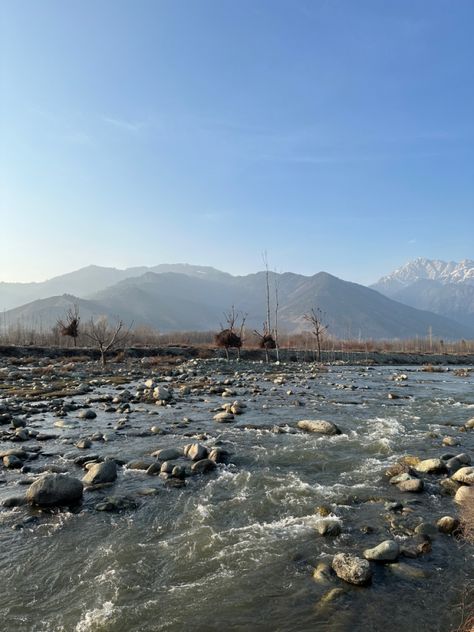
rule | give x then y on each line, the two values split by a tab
352	569
319	426
54	490
100	473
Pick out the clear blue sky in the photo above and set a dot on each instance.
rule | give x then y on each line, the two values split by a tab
337	135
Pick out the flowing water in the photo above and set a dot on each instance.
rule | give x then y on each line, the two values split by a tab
234	549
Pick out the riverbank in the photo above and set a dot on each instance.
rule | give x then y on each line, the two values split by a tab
184	352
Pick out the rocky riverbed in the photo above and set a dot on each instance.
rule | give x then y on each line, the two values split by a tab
222	495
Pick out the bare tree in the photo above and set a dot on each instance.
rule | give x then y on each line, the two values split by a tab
106	336
265	340
228	338
315	318
69	325
277	306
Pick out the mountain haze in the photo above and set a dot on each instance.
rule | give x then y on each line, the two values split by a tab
194	298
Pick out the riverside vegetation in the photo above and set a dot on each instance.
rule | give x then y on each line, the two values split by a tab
140	495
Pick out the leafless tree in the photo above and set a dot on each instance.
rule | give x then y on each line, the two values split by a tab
228	338
69	325
105	336
265	340
315	318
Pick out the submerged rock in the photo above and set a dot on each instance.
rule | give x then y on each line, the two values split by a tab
352	569
54	490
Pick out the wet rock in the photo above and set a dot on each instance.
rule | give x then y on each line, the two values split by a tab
87	414
430	466
352	569
319	426
323	573
54	490
426	528
167	454
416	546
470	424
139	464
117	503
99	473
12	462
411	485
178	471
86	458
162	394
450	441
203	466
219	455
449	487
447	524
406	571
464	475
84	444
14	501
223	417
195	451
330	528
386	551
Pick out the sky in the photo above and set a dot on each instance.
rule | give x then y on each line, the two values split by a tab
335	135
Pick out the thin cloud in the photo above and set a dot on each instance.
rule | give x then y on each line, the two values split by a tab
127	126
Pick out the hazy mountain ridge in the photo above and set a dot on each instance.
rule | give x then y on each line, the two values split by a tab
196	300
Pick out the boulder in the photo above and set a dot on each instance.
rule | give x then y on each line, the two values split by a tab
224	417
464	495
430	466
87	414
386	551
100	473
195	451
412	485
352	569
54	490
319	426
464	475
203	466
167	454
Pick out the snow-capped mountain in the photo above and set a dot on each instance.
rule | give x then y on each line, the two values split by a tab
444	272
445	288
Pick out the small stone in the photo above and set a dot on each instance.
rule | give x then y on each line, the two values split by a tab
331	528
447	524
84	444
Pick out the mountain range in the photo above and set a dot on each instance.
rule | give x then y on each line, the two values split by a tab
443	287
185	297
